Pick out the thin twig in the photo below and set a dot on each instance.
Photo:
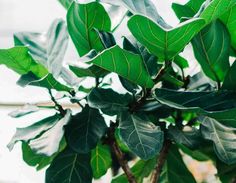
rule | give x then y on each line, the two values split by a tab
119	155
57	105
161	161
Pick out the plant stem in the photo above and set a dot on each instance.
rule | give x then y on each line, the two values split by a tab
161	161
119	155
57	105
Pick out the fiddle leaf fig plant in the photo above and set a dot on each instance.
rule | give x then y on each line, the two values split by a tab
141	104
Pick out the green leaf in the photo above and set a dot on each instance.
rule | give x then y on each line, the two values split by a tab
216	8
25	110
140	170
190	138
109	101
66	3
85	130
19	60
48	49
230	79
164	43
187	10
229	20
211	48
143	7
70	167
106	38
125	64
174	170
225	172
81	20
100	160
181	62
222	137
31	132
141	136
48	82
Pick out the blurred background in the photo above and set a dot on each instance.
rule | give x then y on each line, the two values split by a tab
36	16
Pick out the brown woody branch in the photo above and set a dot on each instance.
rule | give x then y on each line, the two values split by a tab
161	161
57	105
119	154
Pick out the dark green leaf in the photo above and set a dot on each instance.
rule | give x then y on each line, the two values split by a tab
230	79
70	167
48	82
100	160
164	43
211	48
140	170
85	130
226	172
181	62
48	49
124	63
109	101
223	138
174	170
81	20
19	60
106	38
141	136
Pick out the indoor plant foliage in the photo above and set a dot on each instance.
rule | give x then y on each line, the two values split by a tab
160	112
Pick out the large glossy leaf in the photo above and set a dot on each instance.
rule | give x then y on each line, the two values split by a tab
85	130
216	8
187	10
19	60
211	48
143	7
100	160
190	138
125	64
140	170
230	79
164	43
141	136
226	172
31	132
48	49
49	142
109	101
70	167
81	20
48	82
229	20
223	138
174	170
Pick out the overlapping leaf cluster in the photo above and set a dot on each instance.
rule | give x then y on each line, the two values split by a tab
159	101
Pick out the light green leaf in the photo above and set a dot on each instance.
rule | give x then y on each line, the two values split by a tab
141	136
230	79
140	170
19	60
85	130
70	167
48	82
143	7
224	139
174	170
100	160
181	62
66	3
216	8
31	132
81	20
48	49
164	43
125	64
26	109
211	48
109	101
229	20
